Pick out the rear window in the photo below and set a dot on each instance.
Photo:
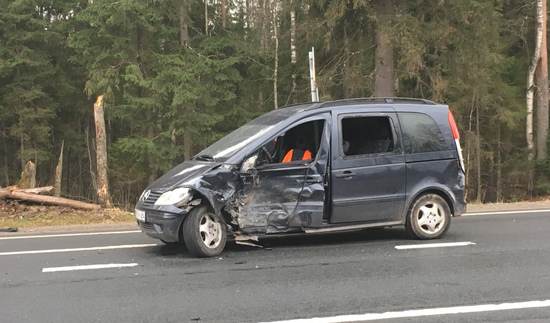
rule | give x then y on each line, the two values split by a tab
421	134
366	136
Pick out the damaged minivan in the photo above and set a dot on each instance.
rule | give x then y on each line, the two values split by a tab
314	168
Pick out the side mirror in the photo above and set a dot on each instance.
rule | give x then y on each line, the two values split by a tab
248	164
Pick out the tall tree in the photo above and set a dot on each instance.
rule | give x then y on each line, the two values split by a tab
531	80
384	70
103	193
542	89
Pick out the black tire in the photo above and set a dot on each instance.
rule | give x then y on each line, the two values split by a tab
429	217
195	240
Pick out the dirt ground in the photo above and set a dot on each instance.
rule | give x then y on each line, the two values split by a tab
514	206
20	215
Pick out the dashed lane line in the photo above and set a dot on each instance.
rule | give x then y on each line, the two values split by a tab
69	235
126	246
423	312
434	245
507	212
87	267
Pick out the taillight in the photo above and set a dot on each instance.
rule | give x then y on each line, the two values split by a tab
456	137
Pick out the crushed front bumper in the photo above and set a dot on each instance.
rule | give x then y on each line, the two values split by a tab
162	225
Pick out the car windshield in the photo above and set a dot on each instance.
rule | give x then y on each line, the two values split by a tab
227	146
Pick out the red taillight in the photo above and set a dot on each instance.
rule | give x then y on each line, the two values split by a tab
454	128
456	136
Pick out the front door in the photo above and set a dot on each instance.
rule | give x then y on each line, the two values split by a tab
285	190
368	175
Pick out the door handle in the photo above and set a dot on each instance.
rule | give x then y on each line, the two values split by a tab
345	174
313	179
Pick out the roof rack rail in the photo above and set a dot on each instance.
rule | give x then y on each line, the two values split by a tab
377	100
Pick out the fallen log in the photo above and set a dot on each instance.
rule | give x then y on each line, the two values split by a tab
37	190
45	199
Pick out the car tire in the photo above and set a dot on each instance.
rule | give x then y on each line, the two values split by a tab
204	233
429	217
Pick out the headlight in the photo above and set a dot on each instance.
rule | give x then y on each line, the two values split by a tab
175	197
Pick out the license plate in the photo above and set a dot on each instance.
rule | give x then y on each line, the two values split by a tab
140	215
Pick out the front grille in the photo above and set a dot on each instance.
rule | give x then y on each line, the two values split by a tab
152	198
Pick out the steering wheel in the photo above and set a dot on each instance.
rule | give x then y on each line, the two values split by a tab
269	157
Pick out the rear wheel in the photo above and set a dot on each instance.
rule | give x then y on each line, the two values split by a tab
429	217
204	233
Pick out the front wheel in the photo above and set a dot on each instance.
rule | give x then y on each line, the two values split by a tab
429	217
204	233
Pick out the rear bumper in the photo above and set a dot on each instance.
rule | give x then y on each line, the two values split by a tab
161	225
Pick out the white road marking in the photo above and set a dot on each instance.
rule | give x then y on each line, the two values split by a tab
69	235
423	312
86	267
507	212
434	245
126	246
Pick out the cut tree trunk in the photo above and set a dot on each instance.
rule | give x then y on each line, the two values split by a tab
542	91
37	190
103	194
59	171
383	55
28	176
52	200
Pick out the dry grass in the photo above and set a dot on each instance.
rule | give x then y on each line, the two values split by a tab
13	214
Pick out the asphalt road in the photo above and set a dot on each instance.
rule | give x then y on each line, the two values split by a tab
504	259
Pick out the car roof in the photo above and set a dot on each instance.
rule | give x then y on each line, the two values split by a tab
294	110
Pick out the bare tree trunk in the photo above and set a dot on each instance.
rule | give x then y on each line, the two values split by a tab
263	29
184	24
59	171
276	54
478	156
248	13
530	81
6	167
345	69
499	165
383	69
93	176
103	194
542	91
28	176
293	55
223	4
184	43
206	17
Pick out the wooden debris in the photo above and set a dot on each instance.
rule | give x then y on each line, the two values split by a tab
33	195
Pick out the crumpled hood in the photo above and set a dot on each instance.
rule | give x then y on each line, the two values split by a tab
182	173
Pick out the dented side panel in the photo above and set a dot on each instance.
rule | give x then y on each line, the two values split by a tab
286	198
269	200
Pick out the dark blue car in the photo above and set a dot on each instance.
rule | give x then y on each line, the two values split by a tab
313	168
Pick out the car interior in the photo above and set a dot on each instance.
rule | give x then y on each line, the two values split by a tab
366	135
305	137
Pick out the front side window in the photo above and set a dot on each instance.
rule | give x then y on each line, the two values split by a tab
367	135
420	133
298	144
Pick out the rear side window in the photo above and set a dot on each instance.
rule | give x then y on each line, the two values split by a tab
420	133
366	135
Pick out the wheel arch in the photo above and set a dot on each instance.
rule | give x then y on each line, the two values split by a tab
441	191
